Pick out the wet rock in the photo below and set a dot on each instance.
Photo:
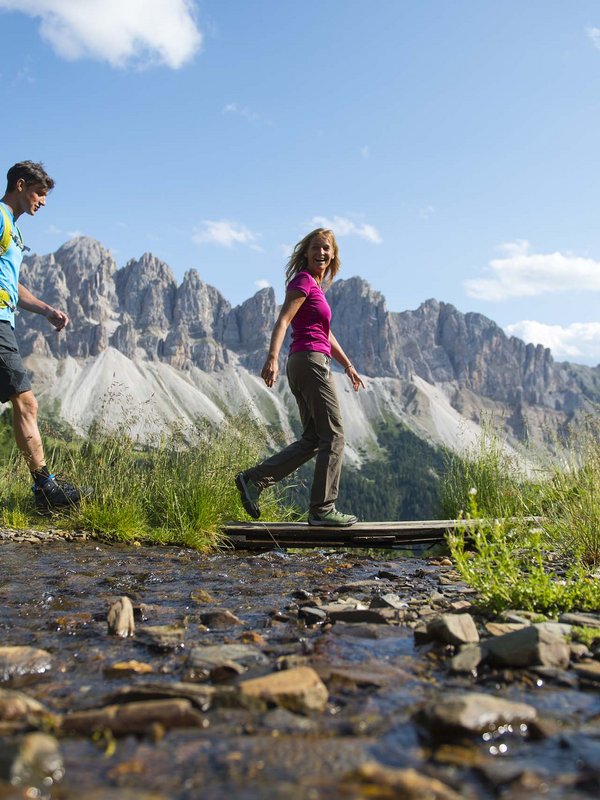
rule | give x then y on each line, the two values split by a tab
219	618
369	631
120	618
282	721
18	708
453	629
162	637
468	658
298	689
201	596
472	713
562	677
312	615
123	669
581	620
221	661
135	717
33	764
362	586
527	647
388	600
201	696
407	784
371	673
19	663
589	671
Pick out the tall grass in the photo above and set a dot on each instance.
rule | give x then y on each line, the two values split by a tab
512	561
176	489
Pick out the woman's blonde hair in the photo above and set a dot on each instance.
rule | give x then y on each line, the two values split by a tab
298	260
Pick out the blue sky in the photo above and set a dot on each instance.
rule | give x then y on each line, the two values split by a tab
452	146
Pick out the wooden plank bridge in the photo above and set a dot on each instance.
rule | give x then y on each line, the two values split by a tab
267	535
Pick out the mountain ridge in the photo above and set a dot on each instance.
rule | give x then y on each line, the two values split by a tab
422	365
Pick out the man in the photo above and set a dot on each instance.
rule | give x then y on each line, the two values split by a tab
26	191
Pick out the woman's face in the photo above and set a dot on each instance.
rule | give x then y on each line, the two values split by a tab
319	255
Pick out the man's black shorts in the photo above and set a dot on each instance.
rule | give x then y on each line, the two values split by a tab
13	375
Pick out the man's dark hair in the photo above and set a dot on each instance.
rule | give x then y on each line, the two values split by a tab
33	174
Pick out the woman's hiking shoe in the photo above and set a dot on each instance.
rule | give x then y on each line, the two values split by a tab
249	495
56	493
332	519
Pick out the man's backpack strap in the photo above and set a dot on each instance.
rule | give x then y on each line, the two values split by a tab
5	239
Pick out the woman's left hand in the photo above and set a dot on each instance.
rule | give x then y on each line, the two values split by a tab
357	381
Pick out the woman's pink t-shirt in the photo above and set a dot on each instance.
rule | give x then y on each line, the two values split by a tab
310	326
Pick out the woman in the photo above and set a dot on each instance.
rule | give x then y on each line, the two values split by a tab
313	265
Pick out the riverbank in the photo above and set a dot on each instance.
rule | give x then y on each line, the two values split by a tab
321	675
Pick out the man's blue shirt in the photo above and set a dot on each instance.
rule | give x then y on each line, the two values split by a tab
10	267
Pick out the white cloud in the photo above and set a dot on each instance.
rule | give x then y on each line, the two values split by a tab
342	226
365	151
426	211
262	283
121	32
520	273
226	234
594	35
578	342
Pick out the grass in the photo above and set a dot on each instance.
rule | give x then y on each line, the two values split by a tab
545	566
177	489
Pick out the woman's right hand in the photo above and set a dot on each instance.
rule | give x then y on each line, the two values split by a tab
270	371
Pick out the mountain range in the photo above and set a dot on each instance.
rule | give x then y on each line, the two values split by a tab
145	347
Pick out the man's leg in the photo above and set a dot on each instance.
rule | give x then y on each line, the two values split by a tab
27	434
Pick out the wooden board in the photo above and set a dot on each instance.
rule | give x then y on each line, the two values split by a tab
261	535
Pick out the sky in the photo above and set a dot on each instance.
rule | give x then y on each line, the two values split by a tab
452	146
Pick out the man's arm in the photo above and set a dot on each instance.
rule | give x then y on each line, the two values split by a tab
28	302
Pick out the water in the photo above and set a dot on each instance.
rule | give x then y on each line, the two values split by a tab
55	597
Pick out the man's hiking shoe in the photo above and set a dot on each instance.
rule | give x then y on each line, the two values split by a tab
249	494
56	493
332	519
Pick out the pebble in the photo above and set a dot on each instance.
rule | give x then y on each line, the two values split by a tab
299	689
472	712
19	662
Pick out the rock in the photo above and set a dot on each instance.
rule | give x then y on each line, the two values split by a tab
312	615
527	647
370	673
203	661
162	637
453	629
518	617
500	628
388	600
299	689
589	671
201	696
134	717
460	605
282	721
581	620
120	618
557	628
201	596
20	663
123	669
578	651
474	713
219	618
33	764
468	658
404	784
19	707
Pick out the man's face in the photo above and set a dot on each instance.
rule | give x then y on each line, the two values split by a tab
31	198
